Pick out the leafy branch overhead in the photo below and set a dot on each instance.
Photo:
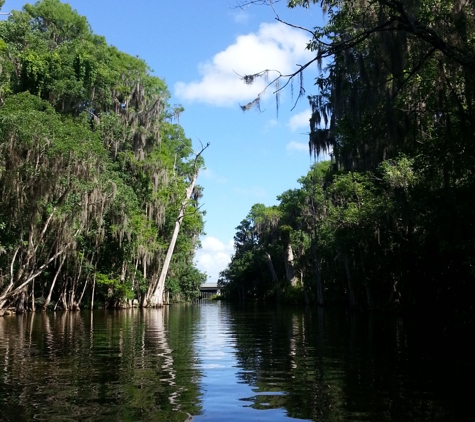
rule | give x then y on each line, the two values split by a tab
444	27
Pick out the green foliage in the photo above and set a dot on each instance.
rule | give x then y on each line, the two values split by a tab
389	222
92	173
114	288
293	295
399	174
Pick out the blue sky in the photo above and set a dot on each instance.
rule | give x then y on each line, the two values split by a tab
197	47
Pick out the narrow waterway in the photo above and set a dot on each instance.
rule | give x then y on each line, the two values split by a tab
218	362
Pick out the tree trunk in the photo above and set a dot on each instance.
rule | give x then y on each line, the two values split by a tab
271	268
289	266
155	291
72	296
64	294
33	296
12	278
351	291
20	304
73	304
155	296
395	294
135	273
9	293
318	282
82	293
93	290
303	283
57	302
369	296
318	271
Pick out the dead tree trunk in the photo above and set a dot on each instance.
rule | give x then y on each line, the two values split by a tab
289	265
270	264
155	291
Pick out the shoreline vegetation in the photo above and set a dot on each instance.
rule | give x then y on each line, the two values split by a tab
387	223
98	197
99	202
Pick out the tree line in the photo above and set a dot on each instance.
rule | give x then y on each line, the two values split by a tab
388	221
98	183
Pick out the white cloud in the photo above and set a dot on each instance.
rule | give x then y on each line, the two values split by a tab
297	146
208	174
274	46
213	257
300	120
241	17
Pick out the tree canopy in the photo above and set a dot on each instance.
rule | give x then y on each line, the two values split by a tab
93	172
388	221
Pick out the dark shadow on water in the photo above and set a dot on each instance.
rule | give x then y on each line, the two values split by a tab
218	361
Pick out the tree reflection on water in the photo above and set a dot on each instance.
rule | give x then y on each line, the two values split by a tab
221	362
118	365
335	365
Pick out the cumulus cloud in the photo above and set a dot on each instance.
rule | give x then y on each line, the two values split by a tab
300	120
213	257
274	46
297	146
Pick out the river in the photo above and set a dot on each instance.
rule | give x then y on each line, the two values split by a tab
218	362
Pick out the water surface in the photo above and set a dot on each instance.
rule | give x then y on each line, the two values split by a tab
219	362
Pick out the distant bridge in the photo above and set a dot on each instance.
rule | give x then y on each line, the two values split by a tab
208	290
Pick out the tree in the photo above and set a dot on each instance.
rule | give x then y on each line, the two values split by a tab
92	167
39	194
155	292
394	106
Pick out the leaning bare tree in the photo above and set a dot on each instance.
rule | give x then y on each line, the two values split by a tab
154	296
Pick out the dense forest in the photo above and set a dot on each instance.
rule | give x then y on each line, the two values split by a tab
388	221
98	190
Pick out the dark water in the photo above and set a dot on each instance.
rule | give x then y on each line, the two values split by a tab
221	363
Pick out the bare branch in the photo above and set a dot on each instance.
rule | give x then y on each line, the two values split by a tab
246	3
297	27
31	277
398	20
